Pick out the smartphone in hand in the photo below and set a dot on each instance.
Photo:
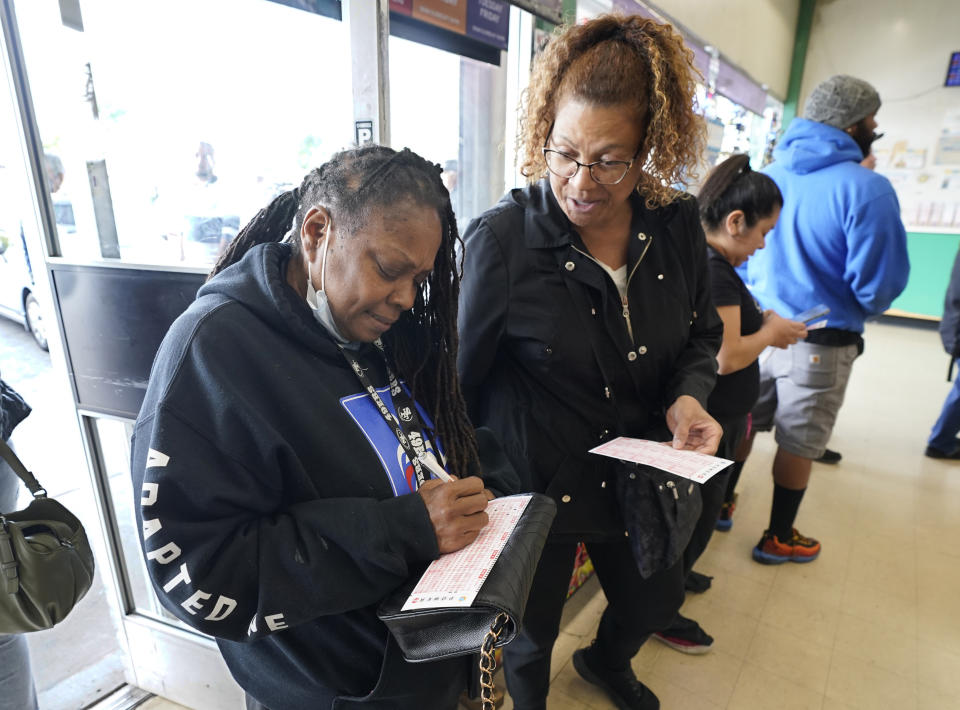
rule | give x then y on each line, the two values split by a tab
811	314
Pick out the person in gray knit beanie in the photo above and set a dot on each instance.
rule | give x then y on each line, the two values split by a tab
847	103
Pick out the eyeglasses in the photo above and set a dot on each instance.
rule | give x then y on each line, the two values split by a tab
603	172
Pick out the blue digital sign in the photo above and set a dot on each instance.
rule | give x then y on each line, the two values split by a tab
953	70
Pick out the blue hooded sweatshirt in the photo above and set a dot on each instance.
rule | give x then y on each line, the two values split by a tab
839	240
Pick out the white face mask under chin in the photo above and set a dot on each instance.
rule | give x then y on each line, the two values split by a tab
317	300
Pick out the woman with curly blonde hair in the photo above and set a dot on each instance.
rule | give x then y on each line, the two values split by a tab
585	315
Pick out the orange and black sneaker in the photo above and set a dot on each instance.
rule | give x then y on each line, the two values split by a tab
770	551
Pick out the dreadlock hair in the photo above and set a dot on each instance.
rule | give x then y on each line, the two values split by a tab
613	60
733	185
353	185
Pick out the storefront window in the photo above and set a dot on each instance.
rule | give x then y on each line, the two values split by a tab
450	110
18	300
48	443
743	131
425	104
168	125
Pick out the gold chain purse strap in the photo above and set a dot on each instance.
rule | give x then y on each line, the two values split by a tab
488	664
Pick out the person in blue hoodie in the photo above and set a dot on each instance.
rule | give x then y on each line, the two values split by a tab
839	242
275	457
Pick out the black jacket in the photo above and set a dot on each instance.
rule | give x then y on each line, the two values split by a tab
542	335
269	493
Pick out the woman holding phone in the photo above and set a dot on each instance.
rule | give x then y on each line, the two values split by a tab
738	207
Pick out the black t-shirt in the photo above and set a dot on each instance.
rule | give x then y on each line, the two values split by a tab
736	393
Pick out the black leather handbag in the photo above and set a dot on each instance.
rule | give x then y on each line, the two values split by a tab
660	511
46	564
432	634
494	618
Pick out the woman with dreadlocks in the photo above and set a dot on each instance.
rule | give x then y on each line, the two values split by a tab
586	315
275	455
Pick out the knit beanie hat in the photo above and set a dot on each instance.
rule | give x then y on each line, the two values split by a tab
841	101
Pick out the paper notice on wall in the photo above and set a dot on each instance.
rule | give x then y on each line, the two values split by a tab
948	150
453	580
951	122
686	464
909	159
928	191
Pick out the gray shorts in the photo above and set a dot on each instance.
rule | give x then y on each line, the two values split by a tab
801	390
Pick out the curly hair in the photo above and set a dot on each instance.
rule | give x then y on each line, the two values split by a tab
612	60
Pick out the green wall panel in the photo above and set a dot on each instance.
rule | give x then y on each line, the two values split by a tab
799	61
931	259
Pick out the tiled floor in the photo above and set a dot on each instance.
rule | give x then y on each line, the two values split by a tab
161	704
875	621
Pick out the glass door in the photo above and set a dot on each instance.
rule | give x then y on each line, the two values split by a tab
153	132
48	440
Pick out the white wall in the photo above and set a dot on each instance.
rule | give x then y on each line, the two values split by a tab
902	48
756	35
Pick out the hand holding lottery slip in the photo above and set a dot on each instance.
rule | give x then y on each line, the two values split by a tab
455	578
475	596
686	464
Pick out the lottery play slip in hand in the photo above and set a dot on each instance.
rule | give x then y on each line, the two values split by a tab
686	464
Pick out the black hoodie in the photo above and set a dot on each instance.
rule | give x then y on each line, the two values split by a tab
271	498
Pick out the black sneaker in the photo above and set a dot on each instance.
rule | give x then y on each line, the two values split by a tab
696	582
830	456
626	692
936	453
686	636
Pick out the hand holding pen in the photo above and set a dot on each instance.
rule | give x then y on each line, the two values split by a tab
456	506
